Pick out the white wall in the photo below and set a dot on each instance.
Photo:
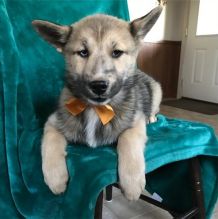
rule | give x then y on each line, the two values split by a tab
138	8
175	22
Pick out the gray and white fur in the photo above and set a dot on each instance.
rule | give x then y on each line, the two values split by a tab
100	53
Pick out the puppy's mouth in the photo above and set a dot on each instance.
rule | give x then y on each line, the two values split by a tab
80	90
98	101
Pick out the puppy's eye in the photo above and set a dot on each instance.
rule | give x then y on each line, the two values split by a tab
117	53
83	53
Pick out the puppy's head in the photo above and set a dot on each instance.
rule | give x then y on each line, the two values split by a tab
100	52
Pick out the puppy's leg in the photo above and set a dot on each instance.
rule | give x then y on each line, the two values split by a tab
53	157
156	100
131	167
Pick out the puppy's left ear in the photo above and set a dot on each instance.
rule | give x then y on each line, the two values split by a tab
141	26
55	34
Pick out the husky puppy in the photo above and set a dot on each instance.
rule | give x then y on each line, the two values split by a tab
100	53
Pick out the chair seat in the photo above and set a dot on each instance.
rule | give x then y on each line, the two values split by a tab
91	170
170	140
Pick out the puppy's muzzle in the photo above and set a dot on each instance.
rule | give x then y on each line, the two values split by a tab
98	87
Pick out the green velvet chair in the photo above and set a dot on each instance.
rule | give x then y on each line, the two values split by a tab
31	78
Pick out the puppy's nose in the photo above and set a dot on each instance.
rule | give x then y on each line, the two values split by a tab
98	87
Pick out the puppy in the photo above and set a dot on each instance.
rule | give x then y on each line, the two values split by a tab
105	100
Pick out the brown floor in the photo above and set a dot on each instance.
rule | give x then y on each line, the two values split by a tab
193	105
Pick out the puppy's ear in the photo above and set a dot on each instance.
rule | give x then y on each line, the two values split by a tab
141	26
55	34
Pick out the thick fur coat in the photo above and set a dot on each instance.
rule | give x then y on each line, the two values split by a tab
100	53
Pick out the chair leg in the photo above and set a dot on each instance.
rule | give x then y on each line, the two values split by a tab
99	206
109	191
198	191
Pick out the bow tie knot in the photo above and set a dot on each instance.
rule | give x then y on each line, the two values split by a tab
104	112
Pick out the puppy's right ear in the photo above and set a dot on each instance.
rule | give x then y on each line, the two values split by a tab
55	34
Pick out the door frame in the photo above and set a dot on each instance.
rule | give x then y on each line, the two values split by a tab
183	48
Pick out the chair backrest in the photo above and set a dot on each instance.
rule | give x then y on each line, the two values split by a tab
31	78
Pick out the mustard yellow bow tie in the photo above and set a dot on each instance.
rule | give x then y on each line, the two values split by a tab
104	112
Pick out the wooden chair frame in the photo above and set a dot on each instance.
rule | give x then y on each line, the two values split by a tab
197	211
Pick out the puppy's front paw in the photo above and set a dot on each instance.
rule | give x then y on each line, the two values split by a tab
132	186
132	182
56	175
152	119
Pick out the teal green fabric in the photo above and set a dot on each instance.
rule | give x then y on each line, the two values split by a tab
31	77
172	140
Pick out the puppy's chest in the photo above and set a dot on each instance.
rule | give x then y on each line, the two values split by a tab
95	133
91	123
88	129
